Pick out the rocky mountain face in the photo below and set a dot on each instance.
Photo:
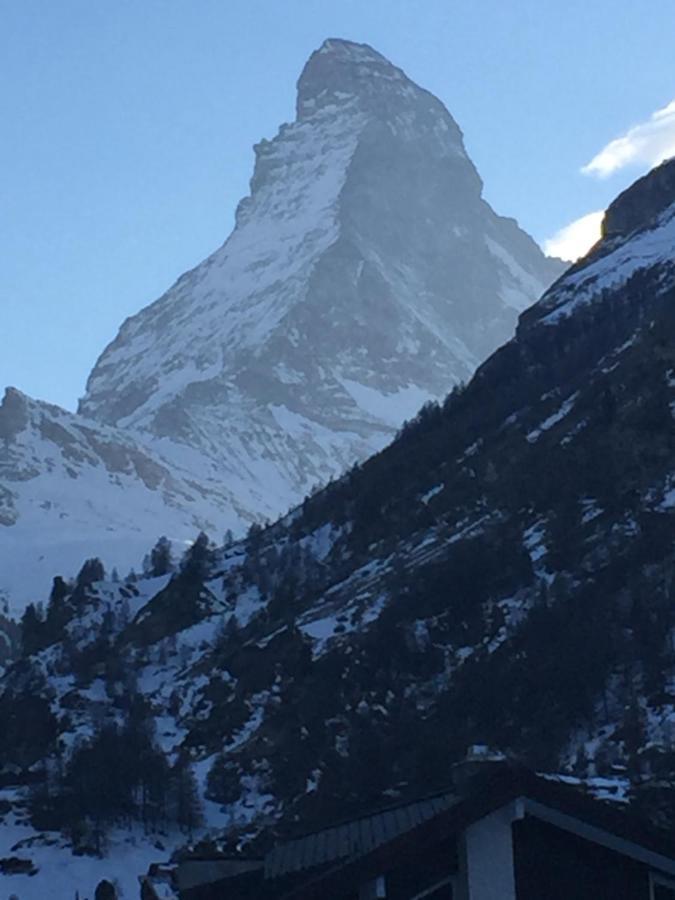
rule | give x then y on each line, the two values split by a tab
365	275
502	573
71	488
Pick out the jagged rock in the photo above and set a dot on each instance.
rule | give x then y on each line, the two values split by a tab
71	489
640	204
365	276
13	414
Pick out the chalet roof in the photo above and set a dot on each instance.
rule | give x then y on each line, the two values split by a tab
327	859
194	872
317	866
356	838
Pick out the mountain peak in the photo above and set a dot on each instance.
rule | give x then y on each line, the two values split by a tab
12	393
350	50
341	69
365	276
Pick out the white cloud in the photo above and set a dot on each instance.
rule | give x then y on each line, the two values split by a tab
575	239
648	143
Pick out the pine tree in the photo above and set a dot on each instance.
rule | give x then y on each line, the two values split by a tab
253	537
198	557
32	630
91	571
161	562
123	613
223	782
105	890
58	610
633	734
228	634
188	809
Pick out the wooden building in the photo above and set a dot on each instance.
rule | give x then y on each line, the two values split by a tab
503	834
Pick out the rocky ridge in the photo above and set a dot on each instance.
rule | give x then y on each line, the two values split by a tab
365	276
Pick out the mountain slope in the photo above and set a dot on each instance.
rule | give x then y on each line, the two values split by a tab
502	573
71	488
363	253
364	277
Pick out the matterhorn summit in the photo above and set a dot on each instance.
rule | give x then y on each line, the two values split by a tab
365	275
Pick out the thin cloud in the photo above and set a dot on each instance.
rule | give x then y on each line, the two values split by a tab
648	143
575	239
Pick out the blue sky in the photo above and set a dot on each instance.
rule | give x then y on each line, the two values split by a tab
128	126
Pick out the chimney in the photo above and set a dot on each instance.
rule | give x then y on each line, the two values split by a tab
480	761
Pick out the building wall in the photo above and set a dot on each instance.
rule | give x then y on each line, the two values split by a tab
486	869
554	864
427	867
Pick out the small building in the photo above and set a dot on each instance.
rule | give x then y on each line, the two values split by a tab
501	833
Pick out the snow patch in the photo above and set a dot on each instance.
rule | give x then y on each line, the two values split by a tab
553	419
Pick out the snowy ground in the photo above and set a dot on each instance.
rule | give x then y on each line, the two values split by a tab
62	876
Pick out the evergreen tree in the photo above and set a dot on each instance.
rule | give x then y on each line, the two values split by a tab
187	806
633	733
91	571
198	557
123	613
32	630
253	537
118	776
223	781
161	562
59	610
105	890
228	633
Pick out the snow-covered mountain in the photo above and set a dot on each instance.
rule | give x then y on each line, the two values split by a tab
365	275
71	488
502	573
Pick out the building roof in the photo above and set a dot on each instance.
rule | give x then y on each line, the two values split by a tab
194	872
317	866
383	840
350	840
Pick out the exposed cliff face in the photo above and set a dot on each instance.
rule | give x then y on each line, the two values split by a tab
364	277
639	230
71	488
640	204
